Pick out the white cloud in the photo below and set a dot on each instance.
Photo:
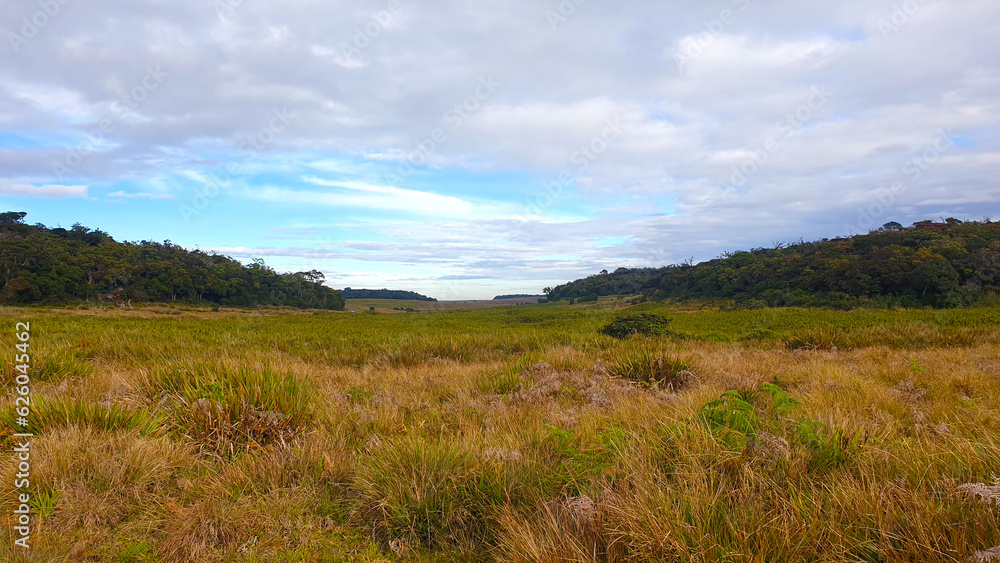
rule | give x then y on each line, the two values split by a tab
138	195
369	196
663	182
46	190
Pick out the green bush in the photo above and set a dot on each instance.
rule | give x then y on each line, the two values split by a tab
649	324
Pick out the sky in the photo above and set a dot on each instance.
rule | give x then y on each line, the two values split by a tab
467	149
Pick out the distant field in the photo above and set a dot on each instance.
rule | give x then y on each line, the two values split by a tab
513	433
362	304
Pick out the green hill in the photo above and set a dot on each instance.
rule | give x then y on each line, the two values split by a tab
945	264
53	266
349	293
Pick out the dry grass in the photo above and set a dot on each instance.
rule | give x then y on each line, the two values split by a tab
842	445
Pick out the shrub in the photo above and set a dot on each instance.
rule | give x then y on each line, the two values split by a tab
649	324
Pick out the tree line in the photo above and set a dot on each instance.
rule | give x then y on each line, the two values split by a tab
56	266
349	293
938	264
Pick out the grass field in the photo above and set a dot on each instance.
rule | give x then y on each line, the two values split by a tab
507	434
391	304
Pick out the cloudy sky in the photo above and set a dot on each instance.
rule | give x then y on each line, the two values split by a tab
465	149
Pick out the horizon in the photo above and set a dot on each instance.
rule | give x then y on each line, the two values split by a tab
542	292
464	153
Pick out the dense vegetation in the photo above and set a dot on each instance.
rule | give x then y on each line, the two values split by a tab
648	324
349	293
511	434
51	266
944	264
515	296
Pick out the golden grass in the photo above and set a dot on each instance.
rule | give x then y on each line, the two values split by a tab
414	447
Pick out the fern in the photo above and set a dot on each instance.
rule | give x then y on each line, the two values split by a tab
783	403
830	447
731	418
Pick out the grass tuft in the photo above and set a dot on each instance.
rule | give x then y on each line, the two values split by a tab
652	367
230	410
420	490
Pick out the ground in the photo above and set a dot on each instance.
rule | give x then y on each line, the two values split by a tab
507	434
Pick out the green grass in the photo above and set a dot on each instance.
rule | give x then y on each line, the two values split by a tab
229	410
510	434
652	366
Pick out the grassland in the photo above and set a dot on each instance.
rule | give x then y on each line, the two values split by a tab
395	304
509	434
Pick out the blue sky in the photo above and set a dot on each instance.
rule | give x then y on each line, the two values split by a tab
465	150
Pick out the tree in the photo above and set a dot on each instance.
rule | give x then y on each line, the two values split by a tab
312	276
42	265
12	218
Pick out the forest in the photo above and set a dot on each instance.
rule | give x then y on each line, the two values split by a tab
58	266
349	293
939	264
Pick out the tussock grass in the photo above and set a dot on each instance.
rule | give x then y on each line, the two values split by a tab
513	434
228	410
106	417
422	491
654	367
50	366
505	380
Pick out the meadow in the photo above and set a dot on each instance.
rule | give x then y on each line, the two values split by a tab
520	434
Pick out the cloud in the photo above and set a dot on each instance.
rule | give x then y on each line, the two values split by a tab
46	190
353	194
140	195
666	188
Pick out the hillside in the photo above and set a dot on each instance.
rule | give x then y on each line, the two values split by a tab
945	264
349	293
53	266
